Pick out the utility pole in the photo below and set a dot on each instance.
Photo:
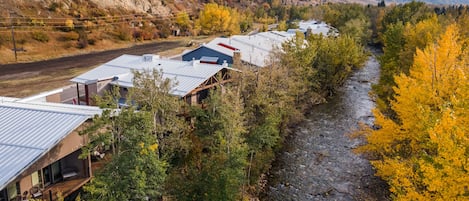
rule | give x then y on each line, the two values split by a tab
13	36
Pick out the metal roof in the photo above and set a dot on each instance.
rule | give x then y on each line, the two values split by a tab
186	75
209	59
316	27
29	130
255	49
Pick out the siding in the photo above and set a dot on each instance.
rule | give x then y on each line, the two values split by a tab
204	51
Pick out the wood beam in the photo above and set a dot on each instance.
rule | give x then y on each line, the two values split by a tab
210	86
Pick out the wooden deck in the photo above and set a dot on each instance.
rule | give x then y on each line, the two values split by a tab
98	165
65	187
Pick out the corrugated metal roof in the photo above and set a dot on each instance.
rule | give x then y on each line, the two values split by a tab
316	27
29	130
255	49
186	75
209	59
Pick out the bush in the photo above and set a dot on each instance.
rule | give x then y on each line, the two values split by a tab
53	7
40	36
70	36
91	41
123	33
82	40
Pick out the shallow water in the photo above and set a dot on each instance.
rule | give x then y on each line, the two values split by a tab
317	162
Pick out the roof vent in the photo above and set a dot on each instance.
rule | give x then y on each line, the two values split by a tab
150	57
195	63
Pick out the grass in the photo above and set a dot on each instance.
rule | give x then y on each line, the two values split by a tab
54	48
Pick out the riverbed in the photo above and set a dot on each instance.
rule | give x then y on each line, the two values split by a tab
318	162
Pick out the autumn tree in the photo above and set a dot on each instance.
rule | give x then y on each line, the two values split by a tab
184	22
282	26
215	18
423	153
400	42
417	37
349	19
412	12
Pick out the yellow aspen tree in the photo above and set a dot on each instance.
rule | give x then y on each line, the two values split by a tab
418	36
69	24
218	19
424	154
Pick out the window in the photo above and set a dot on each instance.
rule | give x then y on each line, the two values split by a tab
56	172
201	95
11	192
36	179
52	173
3	195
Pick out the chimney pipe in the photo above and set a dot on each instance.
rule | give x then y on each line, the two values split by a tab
237	59
309	31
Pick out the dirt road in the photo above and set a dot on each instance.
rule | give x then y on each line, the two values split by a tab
24	79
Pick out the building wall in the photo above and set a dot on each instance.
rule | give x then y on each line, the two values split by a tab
103	86
53	98
68	145
204	51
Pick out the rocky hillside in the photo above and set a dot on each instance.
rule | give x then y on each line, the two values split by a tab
80	7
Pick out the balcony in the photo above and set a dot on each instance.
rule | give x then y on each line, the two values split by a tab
65	188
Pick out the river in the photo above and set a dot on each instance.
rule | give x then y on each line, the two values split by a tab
317	161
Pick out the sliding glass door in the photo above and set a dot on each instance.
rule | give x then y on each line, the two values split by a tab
52	173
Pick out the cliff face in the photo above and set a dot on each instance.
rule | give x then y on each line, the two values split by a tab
142	6
41	7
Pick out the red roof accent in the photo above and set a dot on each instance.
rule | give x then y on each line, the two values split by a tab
227	46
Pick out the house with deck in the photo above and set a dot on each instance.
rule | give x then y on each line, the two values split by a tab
192	79
253	50
39	149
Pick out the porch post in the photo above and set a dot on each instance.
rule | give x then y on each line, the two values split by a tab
87	95
194	98
78	94
90	170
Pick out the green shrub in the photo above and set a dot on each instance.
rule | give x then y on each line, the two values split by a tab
40	36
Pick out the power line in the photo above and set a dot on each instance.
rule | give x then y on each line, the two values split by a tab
101	17
51	23
128	21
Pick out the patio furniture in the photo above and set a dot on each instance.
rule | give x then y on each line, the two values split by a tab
69	173
35	192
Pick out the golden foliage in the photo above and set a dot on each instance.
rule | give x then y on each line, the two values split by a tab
218	19
424	155
69	24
